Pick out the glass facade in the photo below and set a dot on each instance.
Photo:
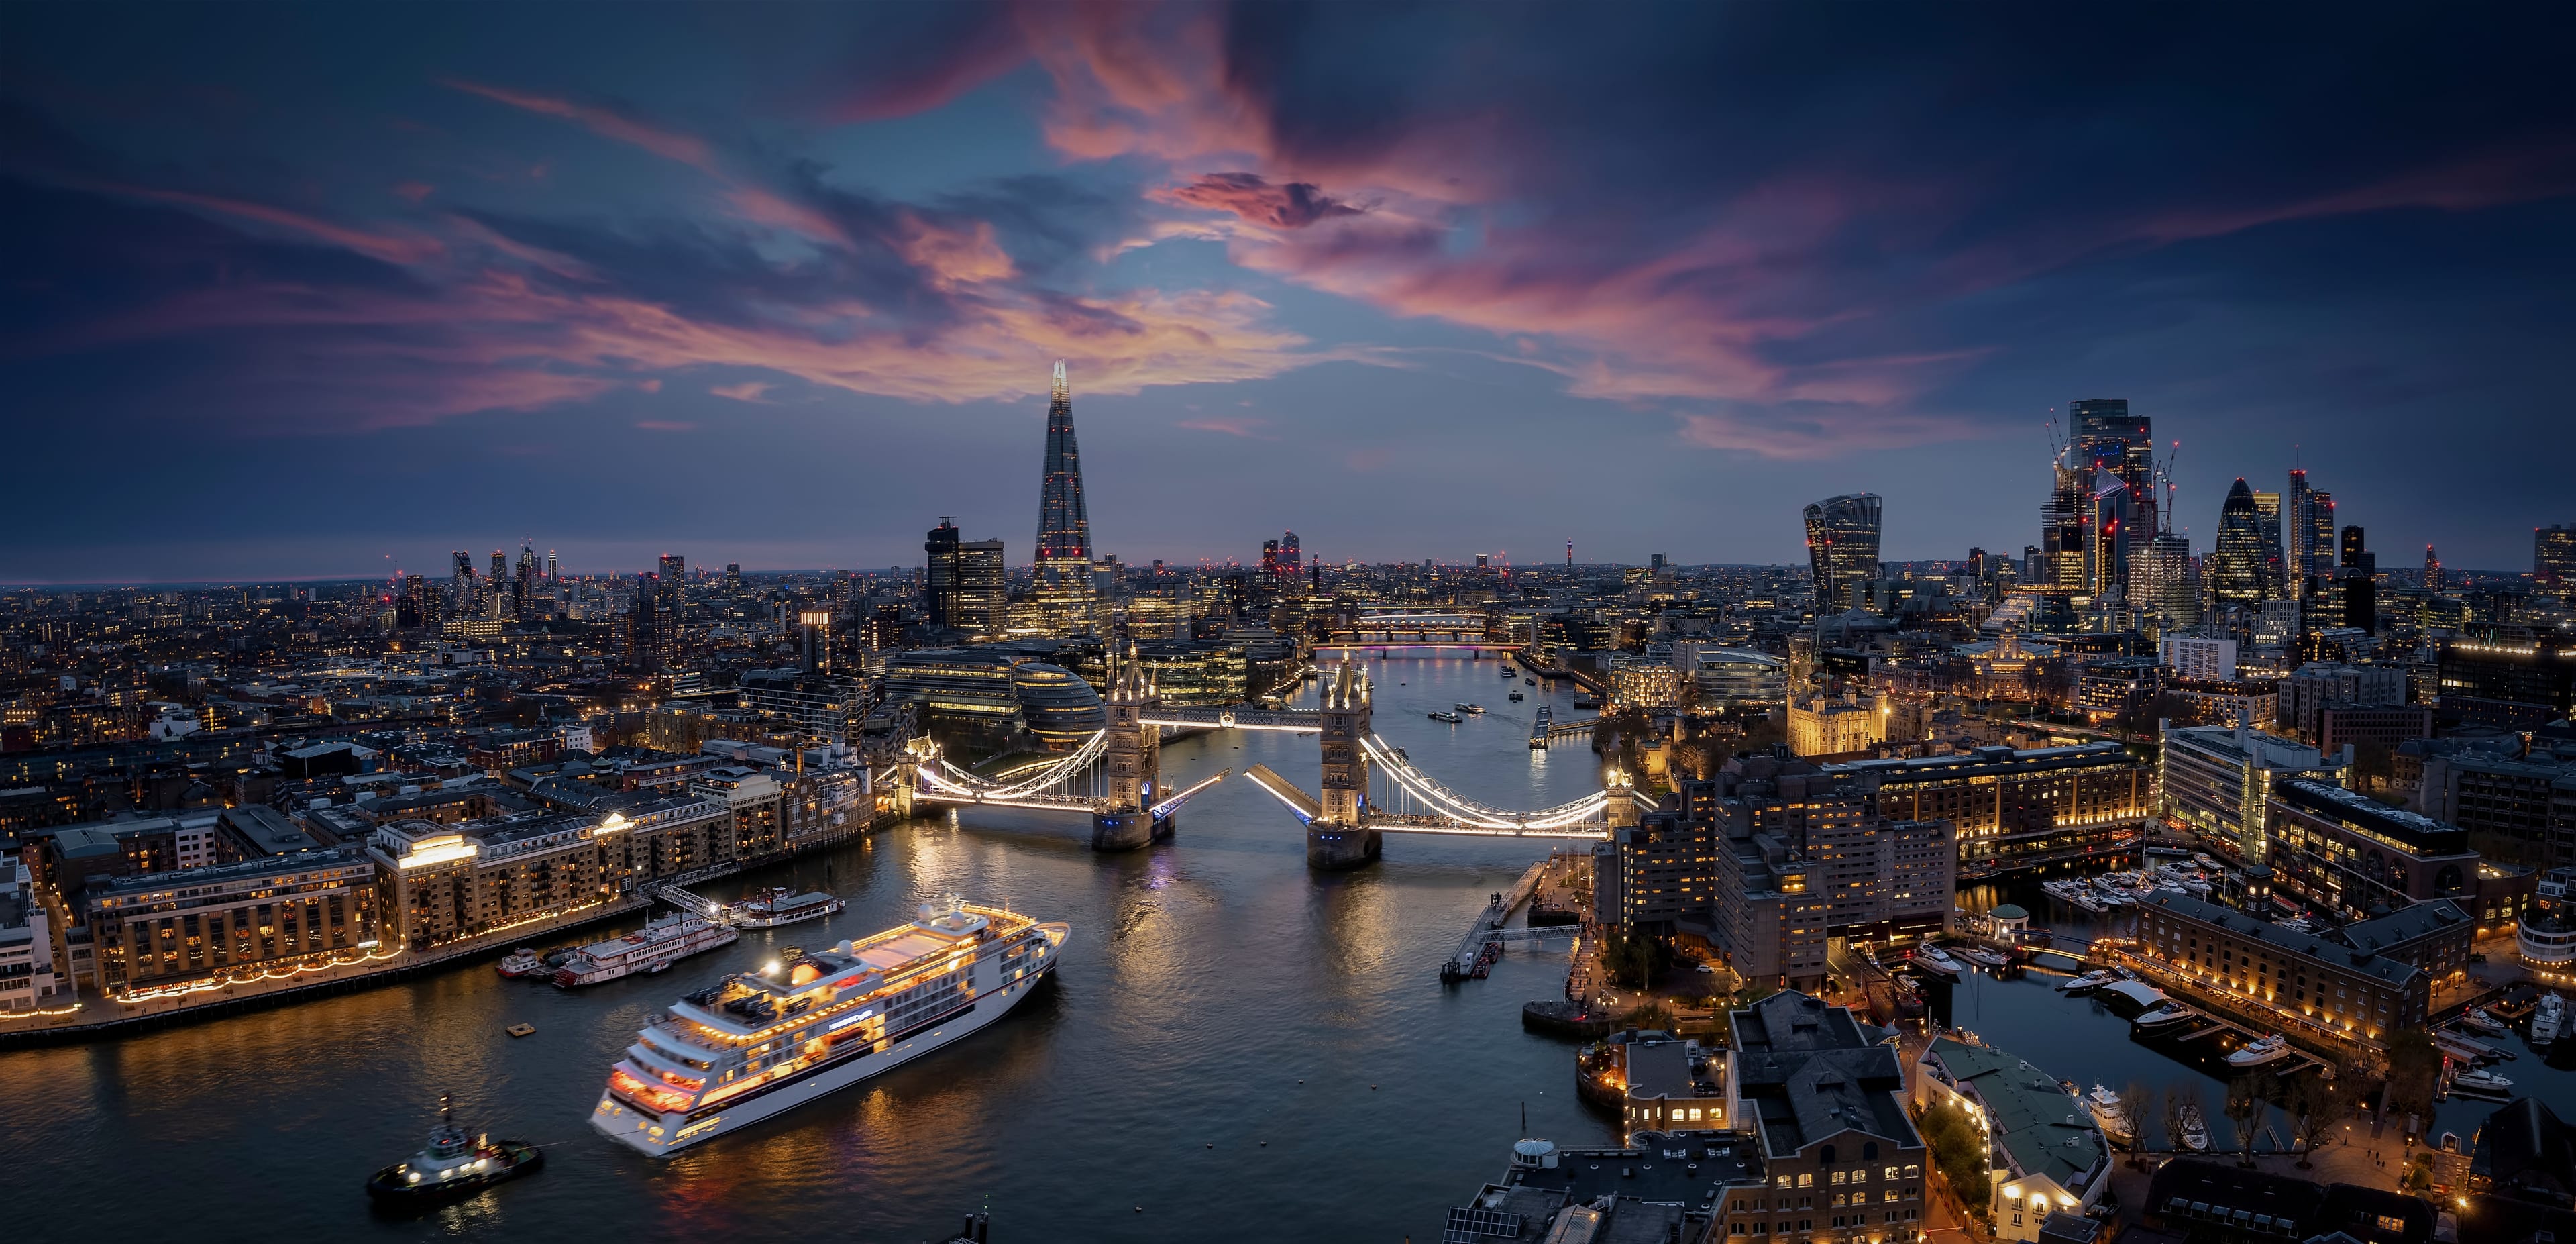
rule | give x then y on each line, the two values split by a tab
1842	548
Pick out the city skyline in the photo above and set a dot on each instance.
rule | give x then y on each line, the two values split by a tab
826	259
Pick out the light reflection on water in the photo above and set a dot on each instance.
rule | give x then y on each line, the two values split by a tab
1206	978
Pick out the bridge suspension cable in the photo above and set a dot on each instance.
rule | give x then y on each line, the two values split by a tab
937	772
1450	804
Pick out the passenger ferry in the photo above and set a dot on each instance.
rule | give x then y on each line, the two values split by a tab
1451	718
765	1042
767	909
648	949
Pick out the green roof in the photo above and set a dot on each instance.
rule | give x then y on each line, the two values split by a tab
2041	1125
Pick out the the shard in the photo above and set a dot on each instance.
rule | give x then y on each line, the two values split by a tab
1064	524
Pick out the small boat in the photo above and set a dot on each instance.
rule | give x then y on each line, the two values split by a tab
1930	959
777	905
1470	708
456	1164
2090	980
2477	1020
521	962
1984	957
1530	682
2482	1083
521	1030
2549	1021
1508	671
2195	1130
2261	1051
2196	886
2206	864
1516	696
2110	1114
2167	1015
1451	718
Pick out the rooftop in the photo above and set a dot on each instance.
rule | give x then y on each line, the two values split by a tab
2035	1119
2346	958
2415	831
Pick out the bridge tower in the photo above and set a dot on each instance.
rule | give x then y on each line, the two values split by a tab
1619	811
1134	752
1340	837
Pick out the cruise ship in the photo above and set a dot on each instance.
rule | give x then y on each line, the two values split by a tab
648	949
765	1042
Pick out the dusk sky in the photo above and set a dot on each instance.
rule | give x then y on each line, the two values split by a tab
306	292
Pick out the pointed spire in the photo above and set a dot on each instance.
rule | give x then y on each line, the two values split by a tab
1062	391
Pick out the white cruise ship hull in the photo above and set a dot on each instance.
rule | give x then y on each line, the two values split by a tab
661	1135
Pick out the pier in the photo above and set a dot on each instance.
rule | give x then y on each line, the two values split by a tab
1485	939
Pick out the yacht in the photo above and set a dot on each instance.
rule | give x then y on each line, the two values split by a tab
2549	1020
2109	1114
455	1164
2482	1083
2195	1129
2478	1021
1930	959
764	1042
2261	1051
767	909
2090	980
648	949
1451	718
2198	886
2168	1014
1984	957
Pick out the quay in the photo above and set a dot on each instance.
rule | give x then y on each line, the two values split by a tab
1484	939
99	1017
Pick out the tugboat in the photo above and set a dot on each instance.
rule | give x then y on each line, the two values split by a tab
521	962
455	1165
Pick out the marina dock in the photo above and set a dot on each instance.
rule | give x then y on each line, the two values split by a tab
1485	939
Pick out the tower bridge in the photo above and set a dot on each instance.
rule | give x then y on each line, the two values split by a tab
1368	787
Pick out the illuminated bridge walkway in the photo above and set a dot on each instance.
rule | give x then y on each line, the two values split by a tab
1370	787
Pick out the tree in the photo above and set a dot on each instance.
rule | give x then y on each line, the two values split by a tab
2246	1109
2372	766
2414	1072
2314	1108
1959	1152
2143	1103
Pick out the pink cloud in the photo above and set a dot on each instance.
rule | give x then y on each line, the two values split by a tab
414	190
1245	426
747	391
664	425
391	248
1293	205
607	123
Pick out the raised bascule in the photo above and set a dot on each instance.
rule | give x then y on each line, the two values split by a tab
1369	787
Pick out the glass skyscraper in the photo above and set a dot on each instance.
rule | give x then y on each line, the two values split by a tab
1064	522
1842	548
2236	565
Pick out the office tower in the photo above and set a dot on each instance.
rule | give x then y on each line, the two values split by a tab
2267	510
552	572
962	590
1291	557
814	636
464	572
1569	554
2302	531
1481	564
1977	564
1064	522
2162	582
2360	577
522	589
2432	570
1842	548
733	576
1269	562
2061	525
2236	565
2114	452
2553	554
2033	564
1654	562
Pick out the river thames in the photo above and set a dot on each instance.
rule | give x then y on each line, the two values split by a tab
1234	1044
